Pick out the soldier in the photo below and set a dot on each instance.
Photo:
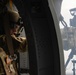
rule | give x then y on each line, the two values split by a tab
19	43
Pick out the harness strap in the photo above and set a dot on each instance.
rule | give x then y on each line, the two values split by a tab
8	36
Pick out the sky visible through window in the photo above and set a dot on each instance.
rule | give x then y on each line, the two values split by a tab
68	30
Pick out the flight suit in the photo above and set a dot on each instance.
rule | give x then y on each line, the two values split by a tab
19	45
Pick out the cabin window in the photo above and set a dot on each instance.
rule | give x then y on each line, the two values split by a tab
68	31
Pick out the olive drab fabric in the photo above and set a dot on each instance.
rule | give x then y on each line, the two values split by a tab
19	46
18	42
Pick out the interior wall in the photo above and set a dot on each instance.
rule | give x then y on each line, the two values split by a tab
55	7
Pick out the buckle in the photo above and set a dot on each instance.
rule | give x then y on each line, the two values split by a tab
14	57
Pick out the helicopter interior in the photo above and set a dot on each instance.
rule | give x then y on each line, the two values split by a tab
39	28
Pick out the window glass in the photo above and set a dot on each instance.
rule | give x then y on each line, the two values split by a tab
68	31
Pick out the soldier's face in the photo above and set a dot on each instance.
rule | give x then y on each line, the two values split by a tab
14	30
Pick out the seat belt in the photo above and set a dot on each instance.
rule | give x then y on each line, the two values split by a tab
8	36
